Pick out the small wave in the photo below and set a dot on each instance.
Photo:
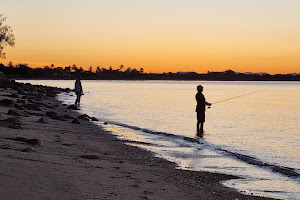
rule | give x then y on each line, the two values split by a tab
290	172
185	138
287	171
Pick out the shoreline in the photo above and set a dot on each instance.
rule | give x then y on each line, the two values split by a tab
83	161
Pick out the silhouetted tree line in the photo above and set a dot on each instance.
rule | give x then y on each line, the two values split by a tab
101	73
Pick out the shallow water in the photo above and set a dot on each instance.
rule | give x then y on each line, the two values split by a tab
256	136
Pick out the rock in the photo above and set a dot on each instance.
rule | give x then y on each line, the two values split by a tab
84	117
28	149
14	95
50	94
93	157
73	107
19	107
18	113
43	120
94	119
21	139
105	123
67	90
20	90
8	102
2	117
3	77
75	121
62	118
11	123
35	142
52	114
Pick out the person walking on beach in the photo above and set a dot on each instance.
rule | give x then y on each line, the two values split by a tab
78	91
200	109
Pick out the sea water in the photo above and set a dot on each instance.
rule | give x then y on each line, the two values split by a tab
255	134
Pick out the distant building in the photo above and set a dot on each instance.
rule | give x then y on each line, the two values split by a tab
293	74
255	73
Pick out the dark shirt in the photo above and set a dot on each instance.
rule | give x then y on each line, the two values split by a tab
200	102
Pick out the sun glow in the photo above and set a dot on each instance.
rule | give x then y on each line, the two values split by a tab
167	36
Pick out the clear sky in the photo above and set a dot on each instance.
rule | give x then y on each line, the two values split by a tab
157	35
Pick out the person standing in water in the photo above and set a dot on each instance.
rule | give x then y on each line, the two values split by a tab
200	109
78	91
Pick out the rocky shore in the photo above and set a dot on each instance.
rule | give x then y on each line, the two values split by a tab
49	150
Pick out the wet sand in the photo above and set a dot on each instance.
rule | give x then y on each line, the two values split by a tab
57	159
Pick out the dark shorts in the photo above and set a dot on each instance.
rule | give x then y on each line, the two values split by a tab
201	116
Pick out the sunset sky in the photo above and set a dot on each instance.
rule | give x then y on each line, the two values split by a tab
157	35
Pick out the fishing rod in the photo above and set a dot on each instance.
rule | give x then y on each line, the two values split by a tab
236	97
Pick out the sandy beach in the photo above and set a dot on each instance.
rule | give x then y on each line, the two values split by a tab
51	152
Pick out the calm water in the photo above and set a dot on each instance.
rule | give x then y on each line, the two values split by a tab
255	136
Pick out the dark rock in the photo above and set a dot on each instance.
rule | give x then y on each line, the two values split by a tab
94	119
93	157
18	113
62	118
11	123
35	142
28	149
19	107
43	120
73	107
105	123
21	139
50	94
8	102
75	121
52	114
3	77
20	90
14	95
68	90
84	117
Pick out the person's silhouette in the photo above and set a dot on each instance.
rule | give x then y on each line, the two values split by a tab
200	109
78	91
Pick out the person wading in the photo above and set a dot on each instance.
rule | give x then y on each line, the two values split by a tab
78	91
200	109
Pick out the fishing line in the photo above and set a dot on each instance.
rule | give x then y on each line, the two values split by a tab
236	97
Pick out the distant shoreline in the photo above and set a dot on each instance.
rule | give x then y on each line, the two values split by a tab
23	71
